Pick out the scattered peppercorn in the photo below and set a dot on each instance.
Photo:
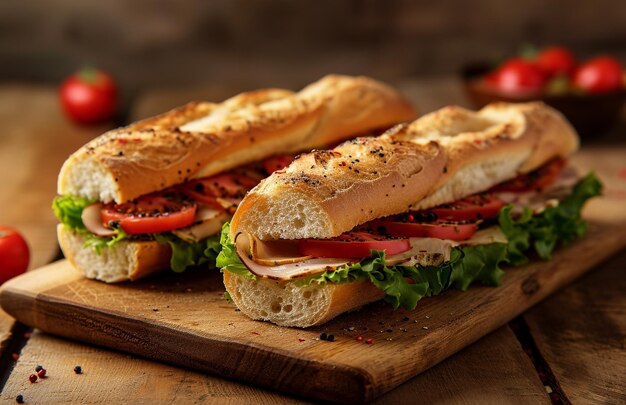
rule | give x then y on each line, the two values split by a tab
406	318
38	368
32	378
369	341
331	338
359	338
323	336
19	399
41	373
78	370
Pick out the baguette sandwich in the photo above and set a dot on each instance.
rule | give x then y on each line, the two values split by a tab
438	203
155	194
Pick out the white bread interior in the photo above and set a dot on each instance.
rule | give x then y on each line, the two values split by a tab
285	304
201	139
124	261
440	158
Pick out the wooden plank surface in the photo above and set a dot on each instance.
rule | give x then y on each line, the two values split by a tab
184	320
35	139
111	377
581	333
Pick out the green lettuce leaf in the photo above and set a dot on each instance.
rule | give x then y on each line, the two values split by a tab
69	209
227	259
542	232
98	243
404	286
185	254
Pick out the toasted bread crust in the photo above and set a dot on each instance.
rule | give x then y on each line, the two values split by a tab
201	139
441	157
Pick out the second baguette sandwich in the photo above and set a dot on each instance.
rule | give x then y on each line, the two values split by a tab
154	194
441	202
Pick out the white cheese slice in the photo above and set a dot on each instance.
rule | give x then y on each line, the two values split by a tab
208	222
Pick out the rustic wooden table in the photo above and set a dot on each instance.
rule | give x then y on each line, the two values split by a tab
568	348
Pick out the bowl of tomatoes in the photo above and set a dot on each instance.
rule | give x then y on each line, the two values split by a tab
590	93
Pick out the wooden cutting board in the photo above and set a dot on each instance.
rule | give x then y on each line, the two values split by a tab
184	320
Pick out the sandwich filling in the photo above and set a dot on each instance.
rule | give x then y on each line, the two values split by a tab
188	216
421	253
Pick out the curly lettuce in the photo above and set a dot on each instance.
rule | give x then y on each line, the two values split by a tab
542	232
185	254
404	285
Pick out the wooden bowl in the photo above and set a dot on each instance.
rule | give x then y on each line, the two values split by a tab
591	114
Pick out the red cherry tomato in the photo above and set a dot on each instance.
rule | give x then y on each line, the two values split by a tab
600	75
149	214
277	162
535	180
556	60
437	229
474	207
89	96
517	76
352	245
14	253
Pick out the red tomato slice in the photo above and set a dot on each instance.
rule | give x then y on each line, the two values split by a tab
352	245
436	229
536	180
224	185
149	214
278	162
474	207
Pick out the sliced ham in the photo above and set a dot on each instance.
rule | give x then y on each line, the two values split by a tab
274	253
280	260
93	221
287	271
208	222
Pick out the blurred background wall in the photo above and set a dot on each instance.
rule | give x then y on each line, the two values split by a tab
147	43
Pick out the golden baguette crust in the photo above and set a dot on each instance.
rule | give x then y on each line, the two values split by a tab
287	305
202	139
124	261
441	157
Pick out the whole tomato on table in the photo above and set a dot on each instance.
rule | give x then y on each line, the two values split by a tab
14	253
89	96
